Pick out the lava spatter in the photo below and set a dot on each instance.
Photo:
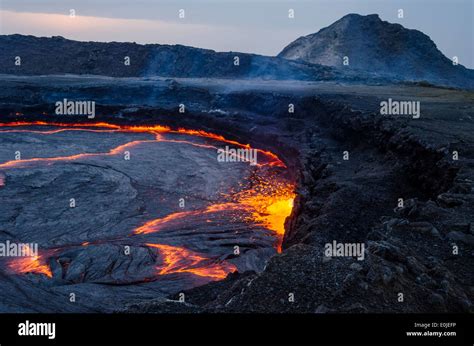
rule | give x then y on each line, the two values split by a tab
34	263
269	202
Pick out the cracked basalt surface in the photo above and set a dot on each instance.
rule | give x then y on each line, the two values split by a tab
84	246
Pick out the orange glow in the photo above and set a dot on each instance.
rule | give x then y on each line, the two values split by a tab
157	224
51	132
206	146
115	151
44	123
269	202
271	210
180	260
266	203
274	160
31	264
275	212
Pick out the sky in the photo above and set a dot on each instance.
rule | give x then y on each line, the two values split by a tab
252	26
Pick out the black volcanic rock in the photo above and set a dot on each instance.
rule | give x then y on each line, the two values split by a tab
376	46
57	55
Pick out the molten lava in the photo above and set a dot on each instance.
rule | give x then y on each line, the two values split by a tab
49	160
157	224
30	264
180	260
273	159
273	211
267	202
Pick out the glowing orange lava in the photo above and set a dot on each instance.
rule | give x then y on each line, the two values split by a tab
268	202
49	160
271	211
180	260
274	160
30	264
267	205
44	123
157	224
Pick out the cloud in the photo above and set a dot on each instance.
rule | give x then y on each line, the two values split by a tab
85	28
88	28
